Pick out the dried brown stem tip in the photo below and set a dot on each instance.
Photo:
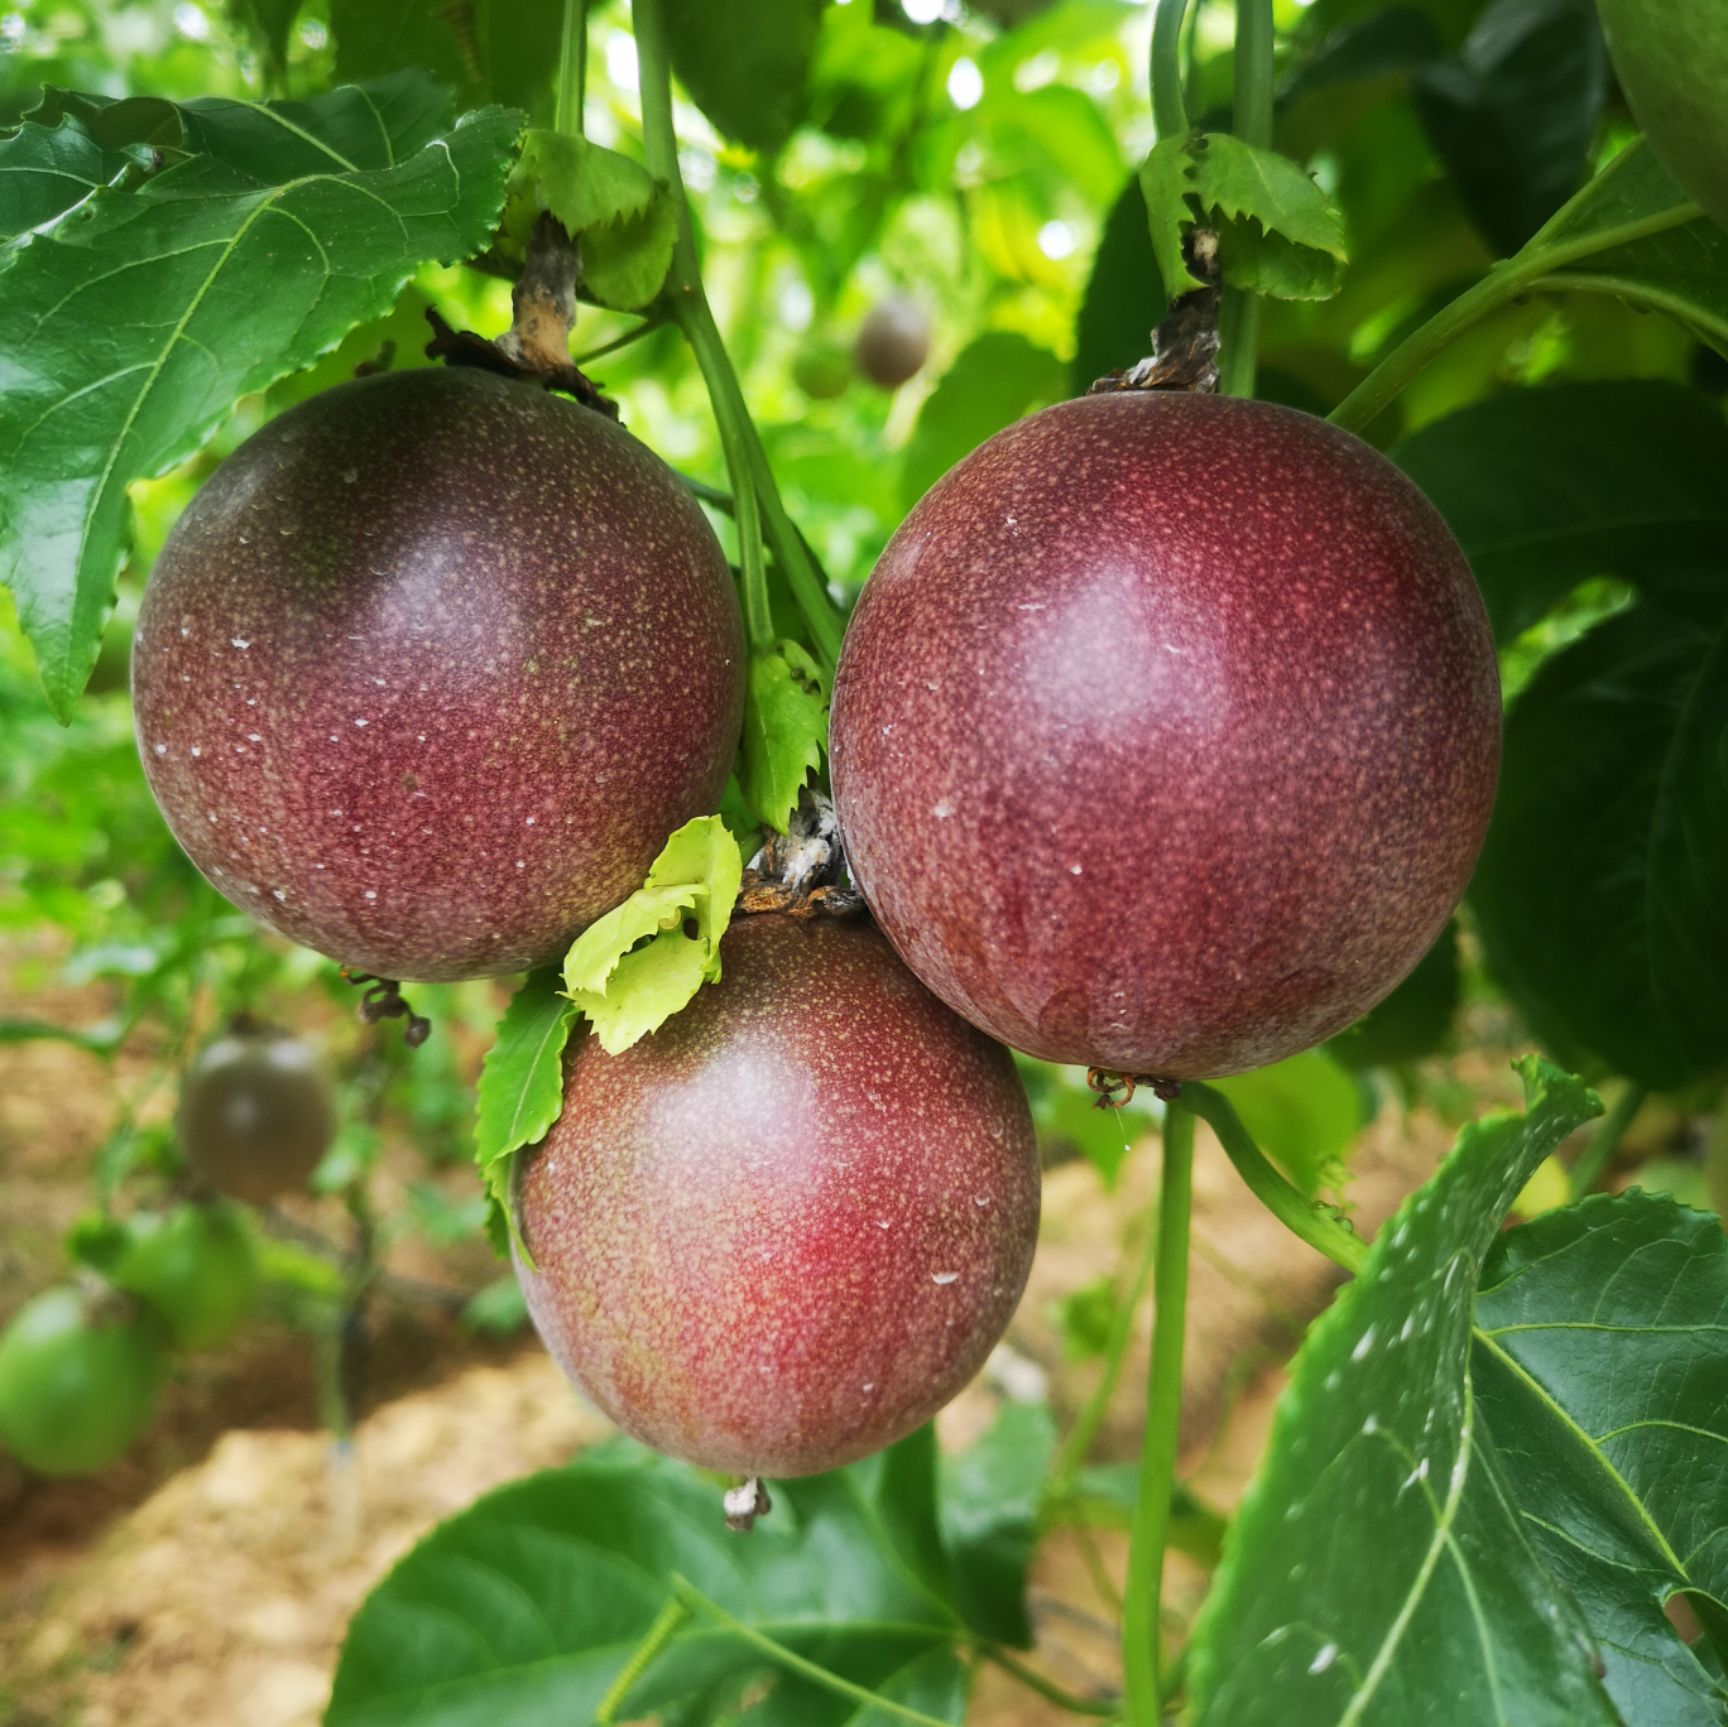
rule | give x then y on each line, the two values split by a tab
743	1505
1116	1090
383	999
537	344
800	870
1185	346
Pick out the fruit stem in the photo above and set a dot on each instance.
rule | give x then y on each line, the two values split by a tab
665	1627
1286	1203
572	69
793	1662
1251	120
756	498
1605	1141
1169	113
1143	1598
1529	269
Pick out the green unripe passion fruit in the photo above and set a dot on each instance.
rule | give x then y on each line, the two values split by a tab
822	370
197	1267
80	1378
1671	57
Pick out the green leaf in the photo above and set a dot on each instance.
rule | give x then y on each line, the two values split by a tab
631	970
1601	1369
1414	1021
1547	488
1513	116
785	730
48	170
1376	1573
622	214
251	259
525	1608
1633	233
1166	183
1303	1112
746	63
1278	233
1600	891
990	1496
485	50
1124	297
521	1087
269	22
995	380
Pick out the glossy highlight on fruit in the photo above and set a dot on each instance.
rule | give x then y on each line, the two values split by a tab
256	1113
788	1227
1671	57
430	669
1165	733
80	1378
197	1267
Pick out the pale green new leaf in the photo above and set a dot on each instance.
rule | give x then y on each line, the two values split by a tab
1377	1574
630	971
785	730
128	331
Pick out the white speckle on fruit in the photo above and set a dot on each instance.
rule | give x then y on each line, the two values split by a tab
942	811
239	642
944	1277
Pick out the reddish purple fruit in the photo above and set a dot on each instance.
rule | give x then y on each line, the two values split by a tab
893	342
1165	733
788	1227
431	668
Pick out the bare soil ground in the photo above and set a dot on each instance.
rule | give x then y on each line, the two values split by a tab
206	1580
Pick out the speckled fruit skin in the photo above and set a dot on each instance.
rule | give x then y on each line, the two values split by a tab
1165	733
256	1113
788	1227
1671	57
431	668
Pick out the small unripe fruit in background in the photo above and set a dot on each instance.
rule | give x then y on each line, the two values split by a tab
822	370
1671	57
81	1374
431	668
788	1227
256	1113
893	342
1165	733
197	1267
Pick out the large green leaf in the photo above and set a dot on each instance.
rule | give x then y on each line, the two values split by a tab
1513	116
1600	891
128	330
488	50
995	380
1547	488
746	63
1376	1575
1601	1368
525	1608
46	170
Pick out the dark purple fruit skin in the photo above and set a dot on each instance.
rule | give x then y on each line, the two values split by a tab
893	342
1165	733
431	668
788	1227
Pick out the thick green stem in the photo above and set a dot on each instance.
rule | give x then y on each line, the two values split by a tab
790	1659
1539	259
756	498
1144	1596
1318	1228
572	69
1605	1141
1169	112
1251	121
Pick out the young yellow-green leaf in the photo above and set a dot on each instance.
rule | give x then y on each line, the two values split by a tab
622	215
634	968
1166	179
785	730
1278	233
521	1086
130	328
